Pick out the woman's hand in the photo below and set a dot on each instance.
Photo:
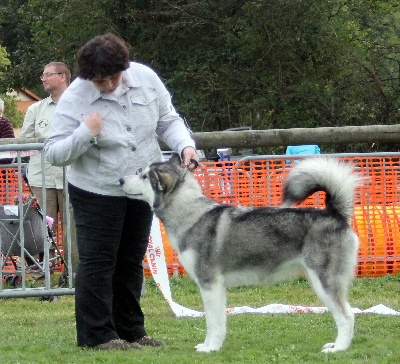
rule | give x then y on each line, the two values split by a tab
94	122
190	158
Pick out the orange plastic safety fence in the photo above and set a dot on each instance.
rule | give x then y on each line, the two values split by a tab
259	183
9	191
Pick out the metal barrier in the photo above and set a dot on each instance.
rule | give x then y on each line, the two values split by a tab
18	233
257	181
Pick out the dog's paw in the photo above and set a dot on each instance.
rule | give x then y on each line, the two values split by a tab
203	348
332	348
198	346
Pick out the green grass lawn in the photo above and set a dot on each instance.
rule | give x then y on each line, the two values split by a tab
44	332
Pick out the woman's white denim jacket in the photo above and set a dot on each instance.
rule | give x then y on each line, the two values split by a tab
127	142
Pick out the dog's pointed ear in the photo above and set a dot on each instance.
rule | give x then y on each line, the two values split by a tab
161	180
175	159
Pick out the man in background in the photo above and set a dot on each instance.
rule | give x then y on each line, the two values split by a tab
56	77
6	130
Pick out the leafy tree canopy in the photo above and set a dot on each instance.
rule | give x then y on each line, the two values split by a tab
4	61
11	111
229	63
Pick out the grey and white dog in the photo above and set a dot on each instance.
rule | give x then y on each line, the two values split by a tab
222	245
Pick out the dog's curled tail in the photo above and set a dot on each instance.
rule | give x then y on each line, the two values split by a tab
322	174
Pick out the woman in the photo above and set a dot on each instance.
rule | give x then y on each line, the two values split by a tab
105	127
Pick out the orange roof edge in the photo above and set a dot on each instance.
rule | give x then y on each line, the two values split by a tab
31	94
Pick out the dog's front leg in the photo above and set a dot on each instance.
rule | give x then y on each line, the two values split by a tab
214	301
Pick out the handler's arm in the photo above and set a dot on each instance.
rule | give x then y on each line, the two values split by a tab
69	137
171	128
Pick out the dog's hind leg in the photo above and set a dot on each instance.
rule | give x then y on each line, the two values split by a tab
335	299
214	301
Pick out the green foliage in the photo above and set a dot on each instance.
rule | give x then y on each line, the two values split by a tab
268	64
4	61
11	111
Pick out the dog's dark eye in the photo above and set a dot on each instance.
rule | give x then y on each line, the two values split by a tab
144	177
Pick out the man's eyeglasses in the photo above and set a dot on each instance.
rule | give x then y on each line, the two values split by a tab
49	74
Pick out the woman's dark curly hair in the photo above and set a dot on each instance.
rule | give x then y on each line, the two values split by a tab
103	56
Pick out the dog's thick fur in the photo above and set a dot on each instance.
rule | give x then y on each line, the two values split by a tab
221	245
